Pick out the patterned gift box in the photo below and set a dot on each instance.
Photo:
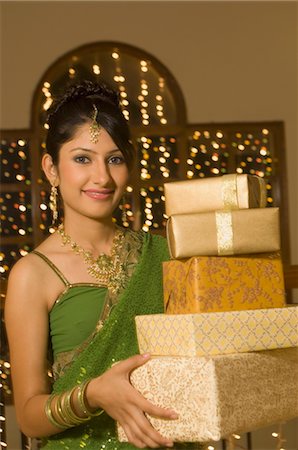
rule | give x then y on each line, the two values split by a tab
227	283
218	332
243	231
209	194
217	396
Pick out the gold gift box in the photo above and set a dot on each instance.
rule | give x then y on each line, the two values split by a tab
227	283
243	231
217	396
217	333
210	194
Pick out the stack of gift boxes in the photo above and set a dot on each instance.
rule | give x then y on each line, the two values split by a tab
225	353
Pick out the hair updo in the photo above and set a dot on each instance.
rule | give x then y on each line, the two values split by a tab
75	108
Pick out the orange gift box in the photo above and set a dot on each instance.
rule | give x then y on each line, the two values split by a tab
214	284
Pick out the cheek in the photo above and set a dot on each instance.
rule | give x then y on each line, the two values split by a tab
70	173
124	176
70	182
120	176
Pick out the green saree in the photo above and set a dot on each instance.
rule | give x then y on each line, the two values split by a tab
114	341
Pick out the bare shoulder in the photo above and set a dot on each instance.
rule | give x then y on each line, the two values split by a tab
32	281
26	271
24	281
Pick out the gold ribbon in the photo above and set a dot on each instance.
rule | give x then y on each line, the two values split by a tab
224	230
229	191
263	192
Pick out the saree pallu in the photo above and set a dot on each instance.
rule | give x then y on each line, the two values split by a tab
115	341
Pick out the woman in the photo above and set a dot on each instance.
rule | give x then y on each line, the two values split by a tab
80	290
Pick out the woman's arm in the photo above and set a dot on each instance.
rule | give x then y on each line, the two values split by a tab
26	318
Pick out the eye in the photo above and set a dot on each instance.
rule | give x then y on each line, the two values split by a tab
116	159
82	159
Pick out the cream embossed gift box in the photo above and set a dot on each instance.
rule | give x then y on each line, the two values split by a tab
219	395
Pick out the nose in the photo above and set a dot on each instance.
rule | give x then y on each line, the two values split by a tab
101	174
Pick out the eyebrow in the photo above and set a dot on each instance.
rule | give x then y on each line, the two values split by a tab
89	150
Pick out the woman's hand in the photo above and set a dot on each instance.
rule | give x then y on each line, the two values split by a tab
113	392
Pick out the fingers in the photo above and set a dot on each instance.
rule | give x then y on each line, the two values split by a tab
154	410
141	433
162	413
132	363
141	440
137	427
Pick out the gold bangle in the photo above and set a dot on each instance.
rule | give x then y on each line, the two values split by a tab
61	410
49	414
62	415
82	400
69	411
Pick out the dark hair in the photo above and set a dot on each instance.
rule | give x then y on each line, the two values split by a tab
76	108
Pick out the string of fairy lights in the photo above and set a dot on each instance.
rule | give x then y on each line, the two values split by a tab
146	102
235	441
119	79
209	153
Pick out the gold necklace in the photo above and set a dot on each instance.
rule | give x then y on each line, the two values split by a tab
107	270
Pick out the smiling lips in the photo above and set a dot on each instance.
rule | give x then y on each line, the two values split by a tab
101	194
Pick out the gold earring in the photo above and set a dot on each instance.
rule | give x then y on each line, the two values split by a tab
53	203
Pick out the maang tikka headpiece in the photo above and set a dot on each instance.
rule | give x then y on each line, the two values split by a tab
94	127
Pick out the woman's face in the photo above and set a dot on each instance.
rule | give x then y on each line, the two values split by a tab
92	176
